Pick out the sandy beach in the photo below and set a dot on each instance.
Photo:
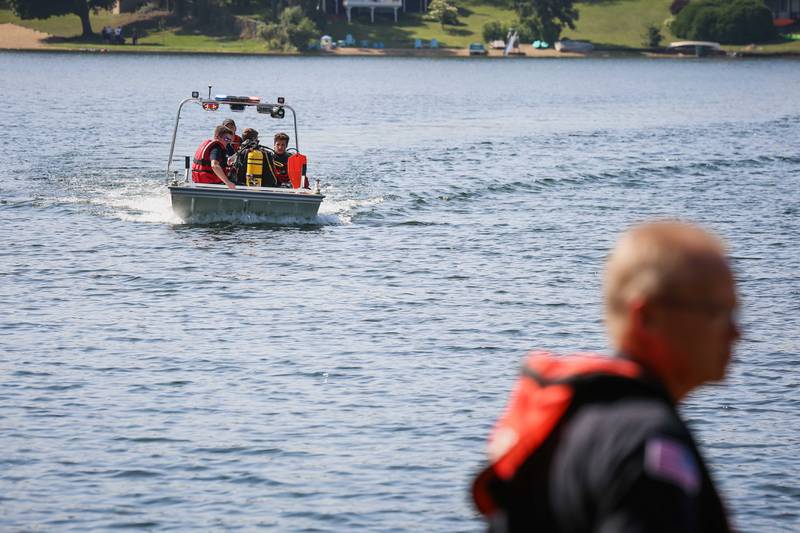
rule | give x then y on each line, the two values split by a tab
525	50
13	37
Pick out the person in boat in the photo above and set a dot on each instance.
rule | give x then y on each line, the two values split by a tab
237	141
591	444
210	159
279	160
238	162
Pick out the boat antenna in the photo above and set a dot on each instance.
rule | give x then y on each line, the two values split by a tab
209	92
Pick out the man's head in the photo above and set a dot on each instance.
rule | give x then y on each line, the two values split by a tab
249	134
281	142
221	133
230	124
670	300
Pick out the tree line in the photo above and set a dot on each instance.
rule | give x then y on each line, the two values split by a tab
291	24
182	11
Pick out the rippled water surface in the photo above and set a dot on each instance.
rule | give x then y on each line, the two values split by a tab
343	373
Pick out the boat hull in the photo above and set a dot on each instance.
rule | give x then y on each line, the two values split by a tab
209	200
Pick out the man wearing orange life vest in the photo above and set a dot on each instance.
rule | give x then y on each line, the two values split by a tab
595	444
208	165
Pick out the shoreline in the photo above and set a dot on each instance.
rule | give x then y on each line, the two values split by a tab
15	38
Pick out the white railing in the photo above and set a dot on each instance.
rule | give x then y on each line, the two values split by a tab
373	5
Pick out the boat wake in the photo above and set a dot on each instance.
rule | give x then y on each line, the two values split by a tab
155	207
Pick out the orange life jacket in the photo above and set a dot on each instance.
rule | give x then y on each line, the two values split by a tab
201	164
539	402
297	171
236	142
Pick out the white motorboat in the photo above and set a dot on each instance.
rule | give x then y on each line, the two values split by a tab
568	45
210	201
695	48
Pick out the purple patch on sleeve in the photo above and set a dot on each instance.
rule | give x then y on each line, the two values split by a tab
672	461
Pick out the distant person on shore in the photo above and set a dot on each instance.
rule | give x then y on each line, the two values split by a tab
596	444
237	141
135	37
210	159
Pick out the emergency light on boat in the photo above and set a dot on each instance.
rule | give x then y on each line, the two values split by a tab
237	99
210	106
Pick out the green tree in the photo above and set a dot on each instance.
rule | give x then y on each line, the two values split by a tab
736	22
292	31
443	12
42	9
652	36
494	30
546	18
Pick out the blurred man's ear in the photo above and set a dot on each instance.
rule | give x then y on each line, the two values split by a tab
640	317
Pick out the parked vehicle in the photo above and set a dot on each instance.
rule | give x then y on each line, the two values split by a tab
477	49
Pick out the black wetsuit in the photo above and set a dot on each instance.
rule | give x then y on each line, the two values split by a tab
621	461
267	180
280	167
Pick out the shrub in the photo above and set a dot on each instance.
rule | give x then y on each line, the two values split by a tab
443	12
746	22
539	28
292	31
652	36
494	30
736	22
526	34
677	6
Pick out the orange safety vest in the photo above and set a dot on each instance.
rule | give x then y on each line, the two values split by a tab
540	400
201	164
297	170
236	142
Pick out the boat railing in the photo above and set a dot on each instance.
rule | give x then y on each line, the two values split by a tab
276	110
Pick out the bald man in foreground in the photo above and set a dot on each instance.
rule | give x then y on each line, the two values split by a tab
595	444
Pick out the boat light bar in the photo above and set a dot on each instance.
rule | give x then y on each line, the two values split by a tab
237	99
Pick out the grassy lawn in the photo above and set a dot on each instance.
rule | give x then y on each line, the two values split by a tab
620	23
608	23
152	36
69	25
172	41
412	26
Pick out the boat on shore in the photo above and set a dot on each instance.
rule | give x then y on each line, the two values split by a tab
695	48
568	45
216	201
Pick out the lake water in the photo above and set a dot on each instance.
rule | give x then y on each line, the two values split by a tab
343	374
